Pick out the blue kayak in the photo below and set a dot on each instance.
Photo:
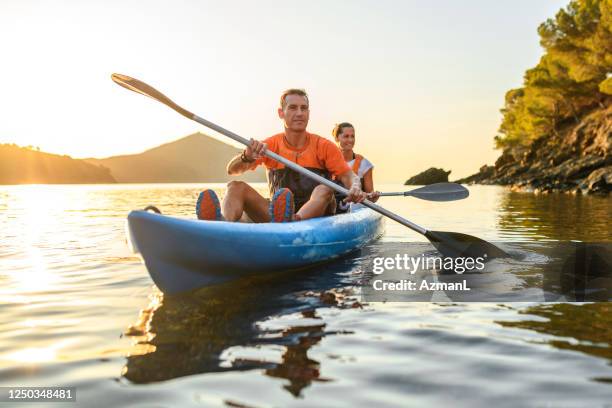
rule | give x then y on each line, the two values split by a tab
182	254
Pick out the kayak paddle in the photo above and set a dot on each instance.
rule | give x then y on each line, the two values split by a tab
452	244
435	192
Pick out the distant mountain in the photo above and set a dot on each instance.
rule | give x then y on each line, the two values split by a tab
24	165
194	158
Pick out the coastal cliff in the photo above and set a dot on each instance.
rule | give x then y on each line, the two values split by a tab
576	158
556	129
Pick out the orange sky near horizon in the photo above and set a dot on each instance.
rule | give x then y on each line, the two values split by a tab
422	84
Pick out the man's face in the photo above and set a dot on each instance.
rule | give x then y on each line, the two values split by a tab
296	113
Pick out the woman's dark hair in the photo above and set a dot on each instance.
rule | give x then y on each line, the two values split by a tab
338	129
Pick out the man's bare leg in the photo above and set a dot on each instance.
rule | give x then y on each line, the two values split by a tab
317	206
242	197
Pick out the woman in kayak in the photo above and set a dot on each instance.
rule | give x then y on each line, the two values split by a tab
344	134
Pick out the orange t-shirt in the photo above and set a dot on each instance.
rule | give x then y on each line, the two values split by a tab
317	153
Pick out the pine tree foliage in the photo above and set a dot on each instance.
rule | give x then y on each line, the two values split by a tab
573	76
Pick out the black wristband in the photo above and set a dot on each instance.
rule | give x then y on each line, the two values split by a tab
245	159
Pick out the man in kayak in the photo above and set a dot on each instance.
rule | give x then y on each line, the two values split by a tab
294	197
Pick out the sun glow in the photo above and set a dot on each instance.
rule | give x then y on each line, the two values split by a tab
39	354
34	355
37	229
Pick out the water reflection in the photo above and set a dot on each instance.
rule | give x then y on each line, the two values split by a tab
587	328
192	334
295	365
524	216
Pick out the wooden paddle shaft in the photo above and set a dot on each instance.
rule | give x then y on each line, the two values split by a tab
308	173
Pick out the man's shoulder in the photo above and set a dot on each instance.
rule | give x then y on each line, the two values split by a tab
274	141
320	140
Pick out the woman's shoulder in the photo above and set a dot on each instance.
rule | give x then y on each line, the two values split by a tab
364	162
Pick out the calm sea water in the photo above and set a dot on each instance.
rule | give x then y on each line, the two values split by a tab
78	309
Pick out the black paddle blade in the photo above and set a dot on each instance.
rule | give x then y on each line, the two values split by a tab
440	192
455	245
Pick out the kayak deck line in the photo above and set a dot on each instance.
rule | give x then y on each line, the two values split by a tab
184	254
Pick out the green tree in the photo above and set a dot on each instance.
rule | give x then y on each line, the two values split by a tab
573	75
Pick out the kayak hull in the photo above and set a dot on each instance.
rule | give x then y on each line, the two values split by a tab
182	254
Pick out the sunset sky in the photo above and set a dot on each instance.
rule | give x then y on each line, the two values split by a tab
422	82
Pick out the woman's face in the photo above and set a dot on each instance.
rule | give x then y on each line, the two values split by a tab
346	138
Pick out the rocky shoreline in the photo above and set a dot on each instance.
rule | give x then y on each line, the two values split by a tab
576	159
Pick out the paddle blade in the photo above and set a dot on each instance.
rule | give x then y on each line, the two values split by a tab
455	245
440	192
140	87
